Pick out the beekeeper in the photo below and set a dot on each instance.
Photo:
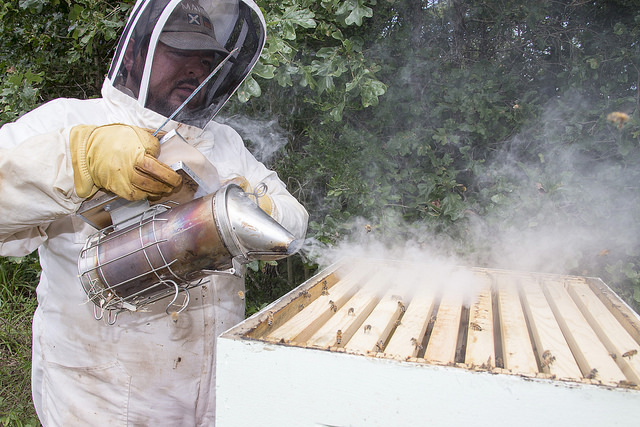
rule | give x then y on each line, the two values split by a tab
146	369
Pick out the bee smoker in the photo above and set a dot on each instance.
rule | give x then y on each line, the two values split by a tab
168	249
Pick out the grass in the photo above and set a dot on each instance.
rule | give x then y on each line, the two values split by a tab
18	280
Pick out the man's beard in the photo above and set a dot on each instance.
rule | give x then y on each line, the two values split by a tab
161	104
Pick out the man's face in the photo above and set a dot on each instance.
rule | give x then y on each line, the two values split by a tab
175	74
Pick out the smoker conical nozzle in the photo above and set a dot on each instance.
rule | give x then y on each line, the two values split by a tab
248	231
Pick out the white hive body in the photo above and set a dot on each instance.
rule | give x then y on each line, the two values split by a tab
386	342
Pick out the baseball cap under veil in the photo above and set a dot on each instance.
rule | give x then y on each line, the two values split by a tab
217	25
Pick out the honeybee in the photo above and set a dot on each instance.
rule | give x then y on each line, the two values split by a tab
379	345
547	358
300	307
630	353
352	312
304	294
402	307
487	364
241	294
325	290
618	118
475	326
592	374
339	336
333	306
627	384
174	316
416	344
270	318
367	329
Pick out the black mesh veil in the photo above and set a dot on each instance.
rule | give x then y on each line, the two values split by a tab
236	24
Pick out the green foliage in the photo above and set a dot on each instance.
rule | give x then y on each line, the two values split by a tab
15	420
266	281
622	273
18	277
66	44
18	94
311	51
492	117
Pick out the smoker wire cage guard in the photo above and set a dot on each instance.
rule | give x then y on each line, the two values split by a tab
121	295
166	250
357	344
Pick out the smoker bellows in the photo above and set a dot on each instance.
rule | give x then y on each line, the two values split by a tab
391	343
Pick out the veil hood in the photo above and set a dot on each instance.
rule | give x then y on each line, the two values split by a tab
234	28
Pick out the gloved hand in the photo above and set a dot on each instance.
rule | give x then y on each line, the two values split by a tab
120	159
263	200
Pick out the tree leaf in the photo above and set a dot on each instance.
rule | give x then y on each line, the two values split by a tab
249	88
370	91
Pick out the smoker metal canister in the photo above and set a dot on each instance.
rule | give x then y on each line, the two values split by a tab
142	263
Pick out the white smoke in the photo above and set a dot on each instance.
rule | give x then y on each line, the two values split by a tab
561	212
265	138
569	208
409	268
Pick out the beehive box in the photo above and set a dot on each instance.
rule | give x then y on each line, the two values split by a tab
392	343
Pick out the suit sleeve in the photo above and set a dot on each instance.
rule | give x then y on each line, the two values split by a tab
239	161
36	187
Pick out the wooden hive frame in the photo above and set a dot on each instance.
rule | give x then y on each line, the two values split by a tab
567	331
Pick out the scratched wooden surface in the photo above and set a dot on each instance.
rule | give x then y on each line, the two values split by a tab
550	326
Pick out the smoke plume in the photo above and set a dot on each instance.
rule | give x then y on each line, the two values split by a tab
559	210
265	138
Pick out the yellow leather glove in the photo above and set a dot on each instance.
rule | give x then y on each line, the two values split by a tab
264	201
120	159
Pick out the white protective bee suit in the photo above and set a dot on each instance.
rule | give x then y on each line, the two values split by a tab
146	369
